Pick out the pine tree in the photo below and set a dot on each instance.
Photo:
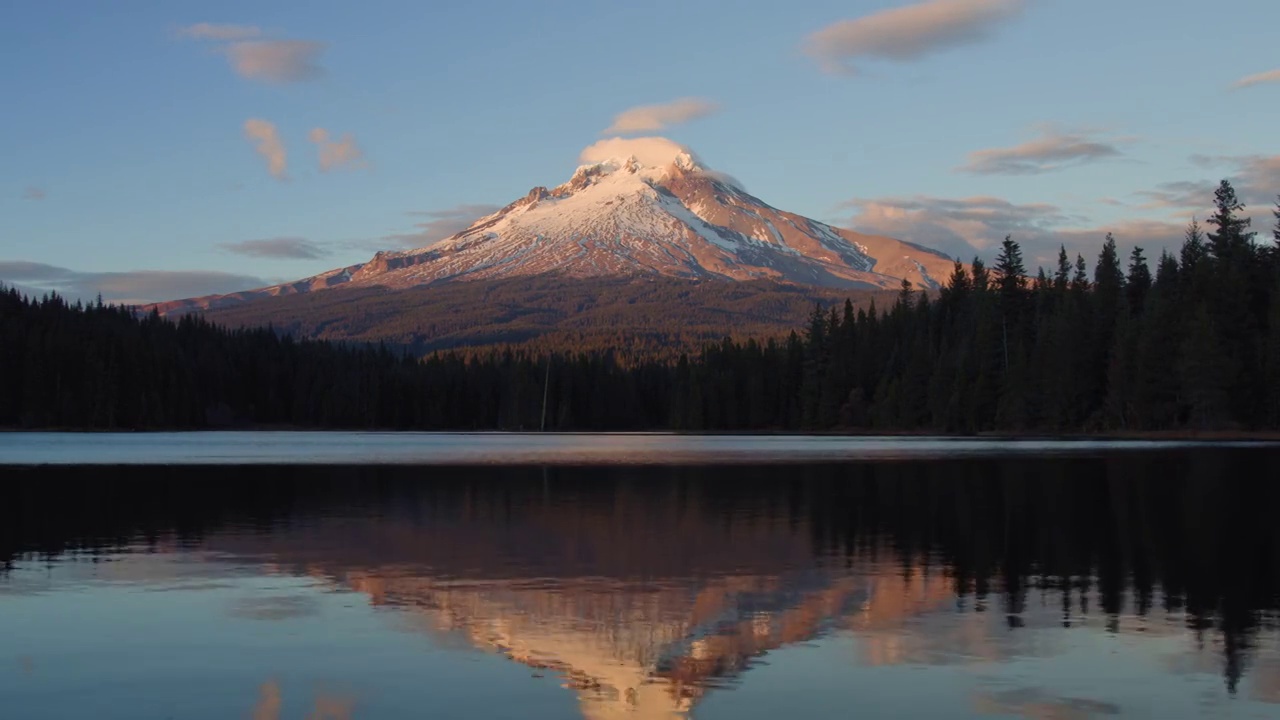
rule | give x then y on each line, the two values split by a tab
1202	371
1108	289
1120	404
958	285
1138	281
1166	271
1012	408
905	293
1080	280
1236	290
1276	233
1011	285
1011	274
815	365
1063	275
1193	253
1108	278
1232	235
1273	358
981	278
1155	396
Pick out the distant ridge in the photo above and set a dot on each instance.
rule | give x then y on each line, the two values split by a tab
652	251
626	218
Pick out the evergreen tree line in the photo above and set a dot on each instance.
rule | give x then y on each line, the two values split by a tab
1196	344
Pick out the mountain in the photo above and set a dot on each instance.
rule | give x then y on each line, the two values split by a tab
637	630
646	318
657	217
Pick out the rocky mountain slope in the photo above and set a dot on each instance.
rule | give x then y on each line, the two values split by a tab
665	216
646	254
651	318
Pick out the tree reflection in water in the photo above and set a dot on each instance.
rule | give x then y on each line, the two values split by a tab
645	587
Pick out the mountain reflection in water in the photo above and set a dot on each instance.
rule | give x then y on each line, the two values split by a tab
650	591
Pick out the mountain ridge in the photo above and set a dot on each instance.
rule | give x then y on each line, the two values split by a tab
664	216
635	319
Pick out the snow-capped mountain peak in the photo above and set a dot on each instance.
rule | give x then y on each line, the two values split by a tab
682	161
642	207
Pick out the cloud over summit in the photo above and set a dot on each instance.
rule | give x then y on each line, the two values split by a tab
651	118
650	151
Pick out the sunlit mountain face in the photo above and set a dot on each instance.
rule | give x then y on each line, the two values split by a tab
643	250
659	592
656	214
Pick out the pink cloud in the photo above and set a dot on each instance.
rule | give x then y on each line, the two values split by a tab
267	143
648	118
908	33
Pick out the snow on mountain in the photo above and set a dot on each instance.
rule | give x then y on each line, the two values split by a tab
638	207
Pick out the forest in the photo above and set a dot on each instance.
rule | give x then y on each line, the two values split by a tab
639	318
1192	345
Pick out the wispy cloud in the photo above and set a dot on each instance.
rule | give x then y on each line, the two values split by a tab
135	287
277	61
440	224
280	248
1262	78
648	118
965	227
957	226
1052	151
908	33
1260	177
1256	177
218	31
34	193
267	143
341	153
252	57
1180	195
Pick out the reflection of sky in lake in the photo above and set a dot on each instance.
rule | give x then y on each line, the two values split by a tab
358	448
241	626
1044	588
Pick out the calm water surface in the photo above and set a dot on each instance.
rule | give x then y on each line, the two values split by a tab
1098	584
388	448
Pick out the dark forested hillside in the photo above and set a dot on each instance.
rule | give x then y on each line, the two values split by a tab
649	317
1193	344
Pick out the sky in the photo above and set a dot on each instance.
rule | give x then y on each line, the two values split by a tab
156	150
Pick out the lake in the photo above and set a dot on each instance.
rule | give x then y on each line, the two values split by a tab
331	576
427	448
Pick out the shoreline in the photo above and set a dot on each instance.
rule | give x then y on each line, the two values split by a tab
1110	436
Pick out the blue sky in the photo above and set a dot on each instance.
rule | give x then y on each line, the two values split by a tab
128	154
